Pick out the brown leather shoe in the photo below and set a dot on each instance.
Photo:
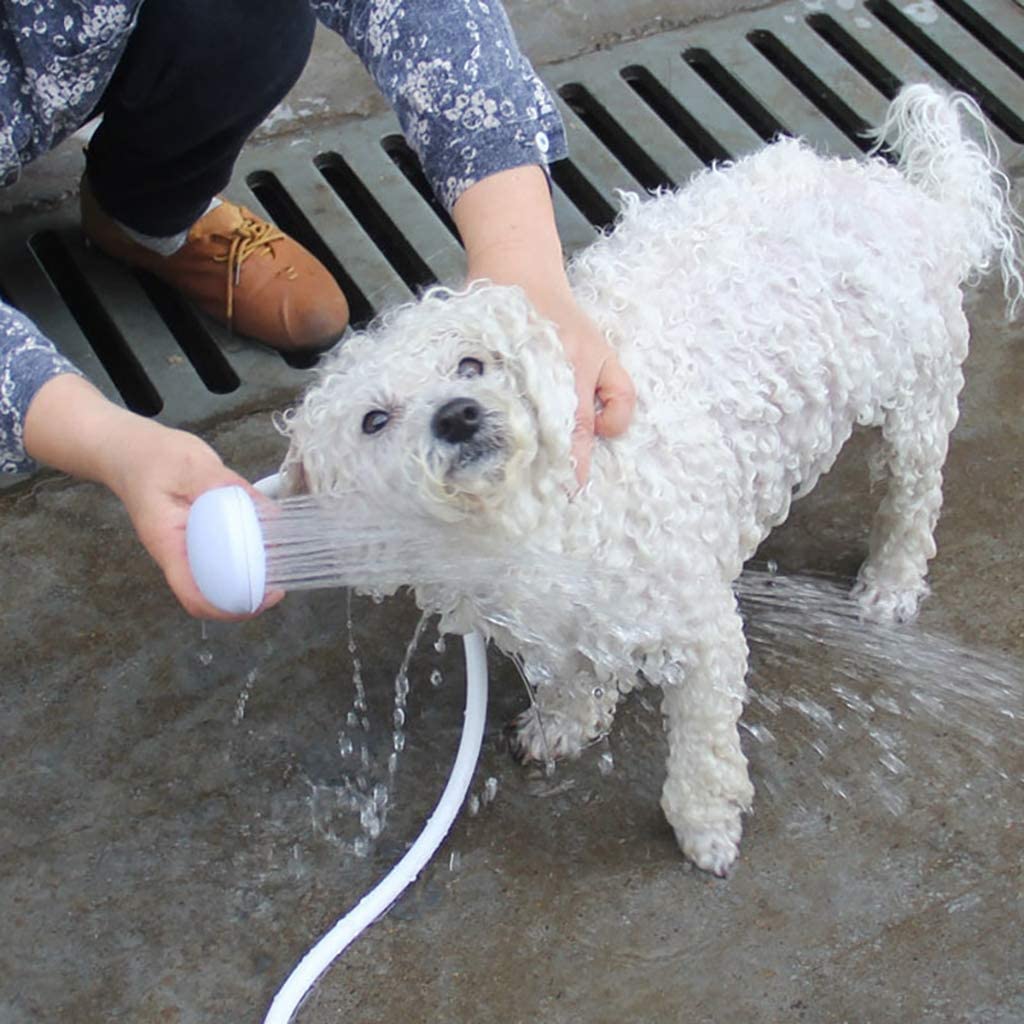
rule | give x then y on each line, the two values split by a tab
239	269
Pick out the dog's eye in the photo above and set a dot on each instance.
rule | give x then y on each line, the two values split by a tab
375	421
470	367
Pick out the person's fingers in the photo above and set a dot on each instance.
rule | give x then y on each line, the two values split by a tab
617	396
583	431
183	586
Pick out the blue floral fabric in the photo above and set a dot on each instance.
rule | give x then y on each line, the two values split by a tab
468	101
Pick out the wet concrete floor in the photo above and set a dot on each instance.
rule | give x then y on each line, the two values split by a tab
172	837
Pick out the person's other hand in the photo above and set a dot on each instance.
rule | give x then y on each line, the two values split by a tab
508	226
605	395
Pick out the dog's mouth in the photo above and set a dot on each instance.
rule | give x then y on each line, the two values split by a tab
477	454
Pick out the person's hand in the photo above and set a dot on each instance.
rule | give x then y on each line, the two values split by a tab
605	395
157	472
160	473
508	226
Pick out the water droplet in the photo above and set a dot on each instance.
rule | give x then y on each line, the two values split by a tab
473	805
205	657
401	686
606	763
361	846
490	789
398	718
345	745
440	645
436	678
398	741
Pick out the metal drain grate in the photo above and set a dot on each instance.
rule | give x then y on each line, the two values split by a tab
640	115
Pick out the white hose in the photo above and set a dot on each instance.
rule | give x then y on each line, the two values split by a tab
305	974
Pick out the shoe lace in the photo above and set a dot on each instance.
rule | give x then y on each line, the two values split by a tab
249	237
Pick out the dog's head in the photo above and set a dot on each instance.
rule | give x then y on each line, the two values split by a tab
460	406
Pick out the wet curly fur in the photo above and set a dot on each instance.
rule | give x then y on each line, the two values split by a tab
763	311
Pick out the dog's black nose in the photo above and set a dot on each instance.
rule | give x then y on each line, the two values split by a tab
458	420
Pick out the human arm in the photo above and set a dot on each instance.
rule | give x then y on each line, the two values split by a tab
508	226
484	128
157	472
49	413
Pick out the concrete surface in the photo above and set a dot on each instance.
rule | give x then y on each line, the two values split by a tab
171	843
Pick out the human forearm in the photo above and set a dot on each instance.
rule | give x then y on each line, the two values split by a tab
156	471
468	101
28	360
507	224
70	426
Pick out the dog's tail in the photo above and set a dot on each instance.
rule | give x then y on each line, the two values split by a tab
945	148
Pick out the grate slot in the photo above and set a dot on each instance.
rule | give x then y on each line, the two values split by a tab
287	215
851	124
617	140
856	55
382	230
111	348
951	70
408	163
688	129
579	191
735	94
986	33
191	335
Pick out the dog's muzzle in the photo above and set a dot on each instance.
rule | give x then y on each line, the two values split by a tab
464	424
457	421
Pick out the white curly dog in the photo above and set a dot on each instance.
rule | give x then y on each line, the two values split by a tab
762	311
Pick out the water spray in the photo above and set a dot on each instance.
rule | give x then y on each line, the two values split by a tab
237	549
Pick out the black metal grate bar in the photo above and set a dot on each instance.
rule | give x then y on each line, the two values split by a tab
287	215
111	347
688	129
951	70
408	163
856	55
191	335
375	222
735	94
617	140
582	194
986	33
851	124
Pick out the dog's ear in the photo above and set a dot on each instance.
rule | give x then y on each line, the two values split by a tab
544	376
292	475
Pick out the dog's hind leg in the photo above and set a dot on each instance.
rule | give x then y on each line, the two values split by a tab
708	786
891	583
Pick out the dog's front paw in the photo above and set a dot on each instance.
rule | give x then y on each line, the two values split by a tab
715	847
543	737
888	605
708	827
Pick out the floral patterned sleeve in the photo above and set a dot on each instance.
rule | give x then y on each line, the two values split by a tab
468	101
27	362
